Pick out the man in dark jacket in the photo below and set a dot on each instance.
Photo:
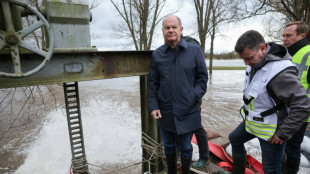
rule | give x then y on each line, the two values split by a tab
275	102
177	81
295	39
201	135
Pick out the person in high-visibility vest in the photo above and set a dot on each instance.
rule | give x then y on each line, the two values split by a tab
275	102
295	39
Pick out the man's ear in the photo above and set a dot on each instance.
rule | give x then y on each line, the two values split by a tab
303	35
263	48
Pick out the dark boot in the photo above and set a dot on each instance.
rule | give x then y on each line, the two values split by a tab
287	170
239	162
290	167
171	163
200	163
186	165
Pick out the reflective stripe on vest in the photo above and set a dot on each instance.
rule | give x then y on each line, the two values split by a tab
264	131
261	126
301	60
251	105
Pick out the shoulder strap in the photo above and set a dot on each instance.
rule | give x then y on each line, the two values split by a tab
272	110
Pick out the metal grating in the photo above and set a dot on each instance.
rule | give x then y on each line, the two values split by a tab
72	101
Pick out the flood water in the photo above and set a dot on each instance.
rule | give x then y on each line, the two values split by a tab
110	112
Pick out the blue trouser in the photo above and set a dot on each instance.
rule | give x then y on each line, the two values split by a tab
272	155
202	141
292	149
172	141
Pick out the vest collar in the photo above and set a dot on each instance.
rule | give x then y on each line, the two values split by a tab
293	49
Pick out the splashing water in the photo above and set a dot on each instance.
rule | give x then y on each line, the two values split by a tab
112	135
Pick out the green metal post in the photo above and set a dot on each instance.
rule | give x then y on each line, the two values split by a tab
149	127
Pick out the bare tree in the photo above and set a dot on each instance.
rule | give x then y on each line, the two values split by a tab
37	37
212	34
294	10
210	14
288	11
245	9
94	4
203	12
140	18
277	13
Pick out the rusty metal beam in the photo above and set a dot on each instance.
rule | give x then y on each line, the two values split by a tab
76	65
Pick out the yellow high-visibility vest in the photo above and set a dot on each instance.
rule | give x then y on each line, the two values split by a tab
302	62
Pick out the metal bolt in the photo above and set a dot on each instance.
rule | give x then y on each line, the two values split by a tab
11	39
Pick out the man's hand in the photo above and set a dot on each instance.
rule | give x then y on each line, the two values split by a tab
156	114
275	140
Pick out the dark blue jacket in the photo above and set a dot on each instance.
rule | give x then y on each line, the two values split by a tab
177	81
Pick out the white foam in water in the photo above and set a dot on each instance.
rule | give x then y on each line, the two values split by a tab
51	151
112	135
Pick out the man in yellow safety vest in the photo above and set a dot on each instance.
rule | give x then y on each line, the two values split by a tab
295	39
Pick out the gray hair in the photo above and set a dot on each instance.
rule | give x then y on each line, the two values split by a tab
179	20
251	39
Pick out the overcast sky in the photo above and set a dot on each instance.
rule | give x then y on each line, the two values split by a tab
105	17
